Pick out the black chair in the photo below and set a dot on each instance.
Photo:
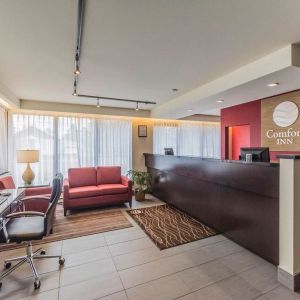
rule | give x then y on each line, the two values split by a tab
28	226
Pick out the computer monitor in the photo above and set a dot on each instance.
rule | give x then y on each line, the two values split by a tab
169	151
259	154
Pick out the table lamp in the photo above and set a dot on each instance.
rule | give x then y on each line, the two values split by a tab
28	156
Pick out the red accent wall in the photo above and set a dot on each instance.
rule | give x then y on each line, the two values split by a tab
240	137
243	114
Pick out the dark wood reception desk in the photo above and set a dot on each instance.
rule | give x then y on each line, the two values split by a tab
240	200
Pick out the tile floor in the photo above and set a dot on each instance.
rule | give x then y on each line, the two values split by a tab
125	264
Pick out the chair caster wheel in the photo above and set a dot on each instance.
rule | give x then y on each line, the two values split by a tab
37	284
61	261
43	252
0	285
7	265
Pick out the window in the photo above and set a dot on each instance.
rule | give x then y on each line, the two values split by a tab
164	136
3	139
190	139
66	142
32	132
76	143
114	143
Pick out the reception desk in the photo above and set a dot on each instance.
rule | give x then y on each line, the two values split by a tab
240	200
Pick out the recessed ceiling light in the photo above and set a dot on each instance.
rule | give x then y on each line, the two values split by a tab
220	101
273	84
174	90
189	110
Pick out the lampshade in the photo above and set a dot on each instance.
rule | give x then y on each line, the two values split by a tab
27	156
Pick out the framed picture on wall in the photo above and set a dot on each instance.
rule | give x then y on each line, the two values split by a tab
142	130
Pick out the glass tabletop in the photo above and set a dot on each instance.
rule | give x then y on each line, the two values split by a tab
33	184
7	197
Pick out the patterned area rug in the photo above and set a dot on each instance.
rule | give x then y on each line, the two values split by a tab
169	227
79	223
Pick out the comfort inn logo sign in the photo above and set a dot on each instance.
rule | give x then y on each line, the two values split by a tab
280	122
285	114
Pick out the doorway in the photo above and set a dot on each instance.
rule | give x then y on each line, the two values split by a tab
238	137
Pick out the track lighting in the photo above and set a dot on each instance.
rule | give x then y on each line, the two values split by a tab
77	71
80	17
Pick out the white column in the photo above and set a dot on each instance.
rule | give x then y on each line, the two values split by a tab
289	221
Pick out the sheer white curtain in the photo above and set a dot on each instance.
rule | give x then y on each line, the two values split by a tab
3	139
164	136
31	132
187	139
203	139
76	143
114	138
211	141
68	142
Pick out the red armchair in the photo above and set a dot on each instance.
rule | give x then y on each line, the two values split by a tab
38	203
7	183
36	199
100	186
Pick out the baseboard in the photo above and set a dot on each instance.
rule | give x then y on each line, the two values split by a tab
290	281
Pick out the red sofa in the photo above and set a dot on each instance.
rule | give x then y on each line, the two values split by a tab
99	186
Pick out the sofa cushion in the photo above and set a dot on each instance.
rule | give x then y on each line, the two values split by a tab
84	191
113	188
107	175
82	177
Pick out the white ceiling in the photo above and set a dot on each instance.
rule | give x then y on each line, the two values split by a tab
138	49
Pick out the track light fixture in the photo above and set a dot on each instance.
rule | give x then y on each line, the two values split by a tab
80	17
98	103
77	71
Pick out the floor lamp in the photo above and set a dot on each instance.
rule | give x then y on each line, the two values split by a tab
28	156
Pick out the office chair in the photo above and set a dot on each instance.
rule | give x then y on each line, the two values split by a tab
27	226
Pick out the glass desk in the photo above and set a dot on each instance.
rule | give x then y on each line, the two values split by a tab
33	185
9	199
9	203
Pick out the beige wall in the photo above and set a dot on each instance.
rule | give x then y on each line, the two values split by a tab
84	109
141	145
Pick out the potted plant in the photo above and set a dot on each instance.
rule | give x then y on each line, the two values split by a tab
142	181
